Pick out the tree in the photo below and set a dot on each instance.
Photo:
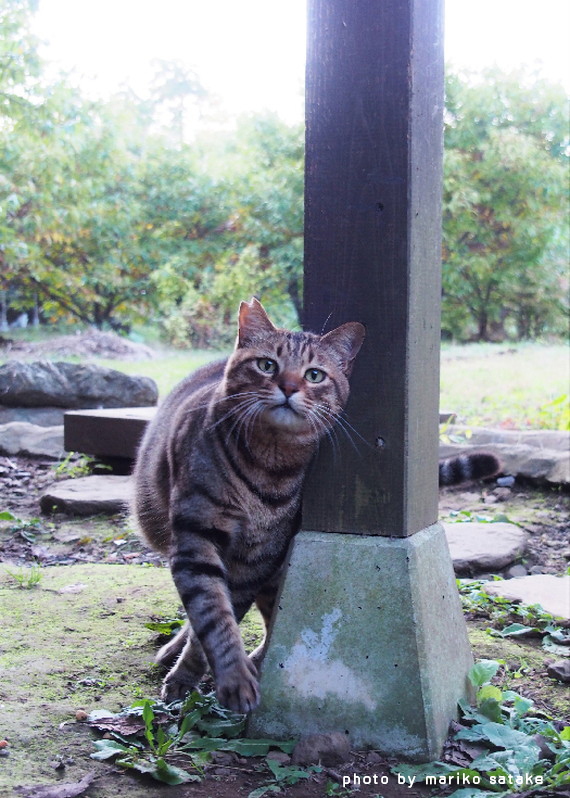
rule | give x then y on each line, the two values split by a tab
505	163
255	244
174	85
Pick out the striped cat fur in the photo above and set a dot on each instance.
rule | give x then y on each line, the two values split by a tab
467	467
218	484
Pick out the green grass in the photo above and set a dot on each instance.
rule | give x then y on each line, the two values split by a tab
511	386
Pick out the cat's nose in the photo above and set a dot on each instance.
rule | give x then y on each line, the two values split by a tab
289	387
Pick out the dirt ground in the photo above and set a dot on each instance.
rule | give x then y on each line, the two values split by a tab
544	513
59	541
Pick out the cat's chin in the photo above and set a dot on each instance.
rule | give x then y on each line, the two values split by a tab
285	418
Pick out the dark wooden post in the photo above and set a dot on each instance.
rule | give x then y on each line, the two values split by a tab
373	250
368	636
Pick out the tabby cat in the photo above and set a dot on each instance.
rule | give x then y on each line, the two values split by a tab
219	477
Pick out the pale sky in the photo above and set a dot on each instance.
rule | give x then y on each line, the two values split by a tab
251	53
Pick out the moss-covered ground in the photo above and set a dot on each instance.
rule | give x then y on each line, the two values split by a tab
77	641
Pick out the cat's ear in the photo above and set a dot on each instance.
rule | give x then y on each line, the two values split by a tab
253	321
346	341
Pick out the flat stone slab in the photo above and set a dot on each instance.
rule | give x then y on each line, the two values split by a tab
477	547
31	440
556	440
88	495
42	416
551	592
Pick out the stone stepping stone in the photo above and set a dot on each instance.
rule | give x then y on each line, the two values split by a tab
88	495
477	547
551	592
31	440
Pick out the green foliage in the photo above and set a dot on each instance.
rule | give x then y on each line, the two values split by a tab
504	723
283	776
75	465
168	627
506	615
26	528
504	233
109	216
190	730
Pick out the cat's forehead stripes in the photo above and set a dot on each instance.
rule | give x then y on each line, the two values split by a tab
299	345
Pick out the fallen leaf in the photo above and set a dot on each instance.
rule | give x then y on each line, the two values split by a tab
124	724
60	790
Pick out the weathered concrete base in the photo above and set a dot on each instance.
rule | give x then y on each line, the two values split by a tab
368	638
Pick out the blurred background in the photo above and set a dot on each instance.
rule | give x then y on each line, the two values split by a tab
152	176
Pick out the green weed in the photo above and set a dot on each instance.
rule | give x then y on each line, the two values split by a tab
26	577
26	528
73	468
191	731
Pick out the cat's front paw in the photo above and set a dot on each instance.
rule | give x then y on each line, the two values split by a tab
238	690
178	682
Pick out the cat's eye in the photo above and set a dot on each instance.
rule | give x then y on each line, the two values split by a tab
315	375
266	365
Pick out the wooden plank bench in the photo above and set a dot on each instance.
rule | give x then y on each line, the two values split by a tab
112	432
115	432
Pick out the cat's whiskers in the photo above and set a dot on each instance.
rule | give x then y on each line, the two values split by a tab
252	414
213	402
343	424
326	428
245	418
251	399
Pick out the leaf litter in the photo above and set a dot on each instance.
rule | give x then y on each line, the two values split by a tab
60	790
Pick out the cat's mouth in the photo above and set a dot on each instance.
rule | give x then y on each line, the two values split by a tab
288	406
285	415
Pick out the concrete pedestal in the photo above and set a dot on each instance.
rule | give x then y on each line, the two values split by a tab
368	638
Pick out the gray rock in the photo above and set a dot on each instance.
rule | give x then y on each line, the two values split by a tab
328	749
30	440
42	416
515	571
88	496
560	670
279	756
476	547
506	482
72	385
551	592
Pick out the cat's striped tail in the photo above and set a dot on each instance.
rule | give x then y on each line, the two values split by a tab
467	467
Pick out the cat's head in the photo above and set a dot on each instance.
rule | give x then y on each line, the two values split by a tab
293	381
